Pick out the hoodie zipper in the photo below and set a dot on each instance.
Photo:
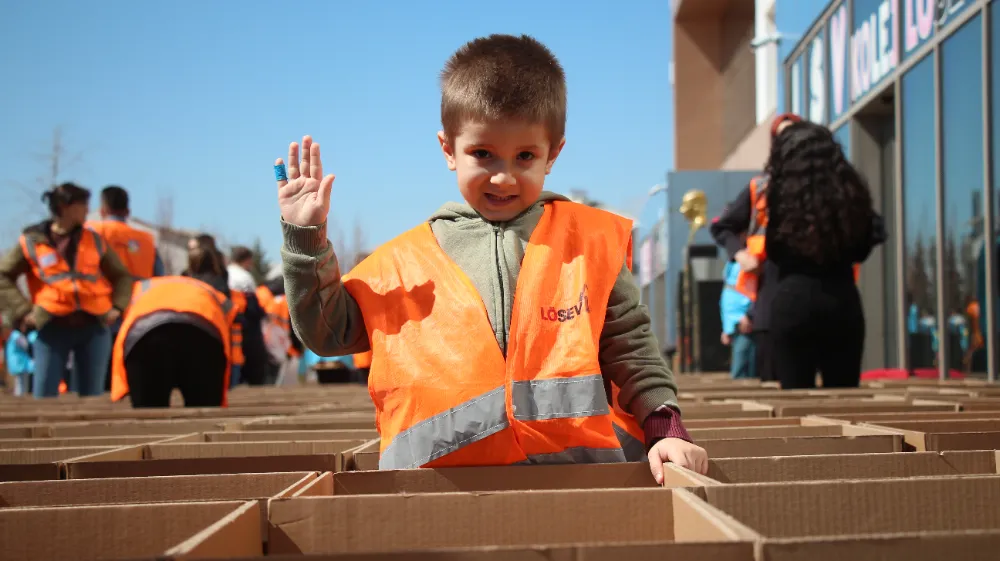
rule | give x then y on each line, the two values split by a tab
502	315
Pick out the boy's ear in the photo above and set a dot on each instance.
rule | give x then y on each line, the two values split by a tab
553	154
448	149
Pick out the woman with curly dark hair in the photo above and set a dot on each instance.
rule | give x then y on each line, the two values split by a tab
820	224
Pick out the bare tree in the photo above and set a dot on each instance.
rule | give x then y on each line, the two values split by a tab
56	161
359	243
164	228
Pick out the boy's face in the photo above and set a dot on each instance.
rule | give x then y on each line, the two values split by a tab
501	166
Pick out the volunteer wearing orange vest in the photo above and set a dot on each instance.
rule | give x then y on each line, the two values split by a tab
136	249
739	230
78	286
504	331
177	333
821	222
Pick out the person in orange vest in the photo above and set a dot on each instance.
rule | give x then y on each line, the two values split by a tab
135	248
177	333
254	359
77	286
821	223
503	331
739	230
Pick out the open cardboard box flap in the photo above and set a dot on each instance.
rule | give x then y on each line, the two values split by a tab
177	530
78	492
499	478
818	511
850	466
356	524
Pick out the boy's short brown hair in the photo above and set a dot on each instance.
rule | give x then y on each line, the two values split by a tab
504	77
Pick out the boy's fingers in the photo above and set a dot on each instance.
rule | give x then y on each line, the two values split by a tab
656	466
315	162
293	160
281	182
325	187
304	164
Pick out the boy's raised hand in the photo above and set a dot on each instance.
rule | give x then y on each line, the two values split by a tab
304	198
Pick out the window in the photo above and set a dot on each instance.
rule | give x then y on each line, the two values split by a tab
962	179
920	218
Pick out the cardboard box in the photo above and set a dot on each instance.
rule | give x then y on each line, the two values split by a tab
725	411
946	435
182	488
126	428
362	458
42	464
201	530
290	435
213	458
852	440
802	408
746	422
332	422
850	466
725	433
386	523
876	418
78	442
912	519
498	478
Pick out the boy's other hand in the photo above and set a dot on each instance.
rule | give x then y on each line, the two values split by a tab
745	325
725	340
304	198
676	451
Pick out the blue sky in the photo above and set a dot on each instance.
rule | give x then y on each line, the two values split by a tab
194	100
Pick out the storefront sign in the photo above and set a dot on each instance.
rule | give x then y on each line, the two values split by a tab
817	80
874	48
837	31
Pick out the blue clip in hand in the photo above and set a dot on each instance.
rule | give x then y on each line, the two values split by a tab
279	173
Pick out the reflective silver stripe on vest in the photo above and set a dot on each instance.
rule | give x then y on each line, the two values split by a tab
559	398
71	275
448	431
634	449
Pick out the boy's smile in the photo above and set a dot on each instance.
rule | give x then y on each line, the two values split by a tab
501	165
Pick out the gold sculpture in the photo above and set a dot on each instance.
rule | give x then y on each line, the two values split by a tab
694	207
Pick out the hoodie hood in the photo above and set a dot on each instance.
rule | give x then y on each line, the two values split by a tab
462	212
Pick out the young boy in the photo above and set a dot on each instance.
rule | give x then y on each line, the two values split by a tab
506	330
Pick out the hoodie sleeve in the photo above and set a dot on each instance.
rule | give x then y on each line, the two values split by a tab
12	265
630	356
119	277
324	315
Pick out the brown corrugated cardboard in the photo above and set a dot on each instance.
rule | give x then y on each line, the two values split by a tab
290	435
504	478
46	455
78	442
884	519
743	422
877	418
153	489
362	458
214	458
854	440
802	408
947	435
764	432
849	466
179	530
124	428
726	411
355	524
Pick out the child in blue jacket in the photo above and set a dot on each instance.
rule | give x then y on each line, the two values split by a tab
736	325
18	357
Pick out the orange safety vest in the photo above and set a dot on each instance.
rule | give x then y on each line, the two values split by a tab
444	393
265	298
61	290
240	304
363	360
136	249
182	295
279	310
746	281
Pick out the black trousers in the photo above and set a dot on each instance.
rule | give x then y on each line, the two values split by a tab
817	324
179	356
764	356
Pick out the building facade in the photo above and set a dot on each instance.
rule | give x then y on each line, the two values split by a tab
724	77
909	87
